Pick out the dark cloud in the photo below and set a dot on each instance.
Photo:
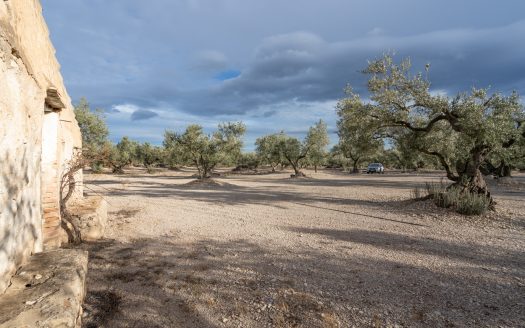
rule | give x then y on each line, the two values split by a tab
303	67
269	113
169	54
210	60
143	114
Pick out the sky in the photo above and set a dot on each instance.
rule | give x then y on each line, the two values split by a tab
273	64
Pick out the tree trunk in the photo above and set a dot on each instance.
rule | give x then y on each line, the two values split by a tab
470	176
503	170
315	168
355	169
297	171
199	170
205	172
475	183
117	169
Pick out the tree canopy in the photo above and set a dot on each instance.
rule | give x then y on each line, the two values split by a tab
268	149
460	131
92	125
318	140
357	138
206	151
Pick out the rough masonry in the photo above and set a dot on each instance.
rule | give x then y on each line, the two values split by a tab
38	136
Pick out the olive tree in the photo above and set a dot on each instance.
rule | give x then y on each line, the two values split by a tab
123	154
318	140
94	131
172	150
92	125
205	151
296	152
357	140
460	131
149	155
268	149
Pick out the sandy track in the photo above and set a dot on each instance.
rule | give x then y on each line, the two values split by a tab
331	251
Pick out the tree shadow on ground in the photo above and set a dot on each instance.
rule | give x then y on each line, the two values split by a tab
164	282
468	253
277	194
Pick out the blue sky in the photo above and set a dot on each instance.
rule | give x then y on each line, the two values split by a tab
274	64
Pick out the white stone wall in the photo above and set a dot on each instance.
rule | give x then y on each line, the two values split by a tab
29	186
20	152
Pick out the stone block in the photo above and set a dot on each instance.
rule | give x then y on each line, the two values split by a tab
91	215
48	291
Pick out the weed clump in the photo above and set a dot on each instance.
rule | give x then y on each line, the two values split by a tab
461	200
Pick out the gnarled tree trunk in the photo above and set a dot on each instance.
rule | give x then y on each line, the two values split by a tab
470	176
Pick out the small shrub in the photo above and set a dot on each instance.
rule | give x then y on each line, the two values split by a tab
463	201
472	204
97	168
448	198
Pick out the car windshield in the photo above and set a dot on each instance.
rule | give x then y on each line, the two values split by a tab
374	165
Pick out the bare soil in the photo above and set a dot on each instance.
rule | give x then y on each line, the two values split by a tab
331	250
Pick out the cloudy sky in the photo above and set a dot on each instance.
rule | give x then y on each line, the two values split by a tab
274	64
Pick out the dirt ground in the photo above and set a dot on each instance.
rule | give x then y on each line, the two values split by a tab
332	250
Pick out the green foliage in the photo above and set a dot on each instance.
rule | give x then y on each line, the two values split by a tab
462	200
97	168
294	152
92	125
461	132
229	136
206	151
248	161
335	158
357	132
318	140
279	148
472	204
123	154
149	155
172	151
268	149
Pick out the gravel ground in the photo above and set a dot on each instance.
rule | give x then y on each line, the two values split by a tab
332	250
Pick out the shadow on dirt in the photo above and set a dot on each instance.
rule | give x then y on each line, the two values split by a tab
163	283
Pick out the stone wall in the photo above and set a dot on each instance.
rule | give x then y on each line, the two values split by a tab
38	135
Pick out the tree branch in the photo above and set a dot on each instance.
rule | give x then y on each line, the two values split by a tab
427	128
443	161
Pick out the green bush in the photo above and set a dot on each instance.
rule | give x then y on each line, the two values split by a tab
462	201
448	198
96	168
472	204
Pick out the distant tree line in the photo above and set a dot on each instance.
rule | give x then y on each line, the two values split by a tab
361	141
403	125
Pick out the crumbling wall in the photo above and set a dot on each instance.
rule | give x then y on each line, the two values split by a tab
38	135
